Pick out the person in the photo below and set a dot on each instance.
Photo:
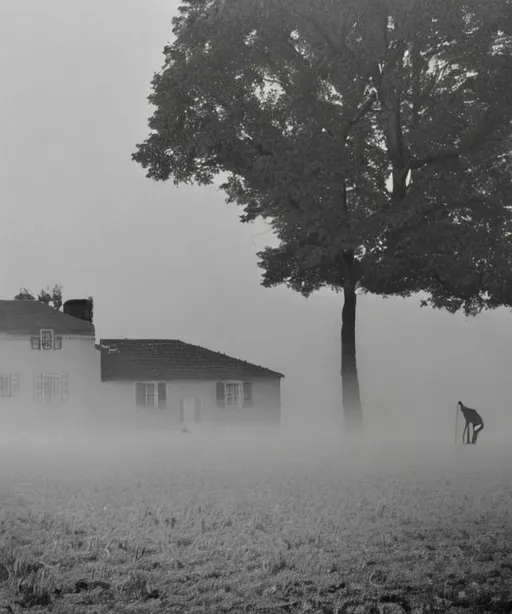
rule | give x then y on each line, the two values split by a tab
473	418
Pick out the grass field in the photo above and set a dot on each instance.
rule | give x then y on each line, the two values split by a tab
220	522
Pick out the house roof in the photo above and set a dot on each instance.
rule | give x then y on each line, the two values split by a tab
29	317
167	359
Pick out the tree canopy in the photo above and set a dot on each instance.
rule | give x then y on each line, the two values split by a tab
373	135
49	297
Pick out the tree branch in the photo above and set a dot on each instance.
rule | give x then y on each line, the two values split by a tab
416	163
364	108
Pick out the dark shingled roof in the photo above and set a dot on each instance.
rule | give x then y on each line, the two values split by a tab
28	317
167	359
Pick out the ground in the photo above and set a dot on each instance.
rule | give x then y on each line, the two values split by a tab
220	522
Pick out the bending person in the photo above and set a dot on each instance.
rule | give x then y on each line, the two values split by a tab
472	418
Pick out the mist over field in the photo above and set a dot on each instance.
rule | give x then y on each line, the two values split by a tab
229	519
90	456
86	453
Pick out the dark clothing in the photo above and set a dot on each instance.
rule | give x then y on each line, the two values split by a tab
476	430
472	418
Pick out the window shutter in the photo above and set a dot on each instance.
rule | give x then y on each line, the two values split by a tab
35	342
64	387
58	343
15	385
247	394
221	396
5	385
162	395
140	395
38	389
182	404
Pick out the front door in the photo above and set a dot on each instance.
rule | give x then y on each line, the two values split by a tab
189	409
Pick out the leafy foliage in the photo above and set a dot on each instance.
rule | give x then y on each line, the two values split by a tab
24	295
373	135
49	297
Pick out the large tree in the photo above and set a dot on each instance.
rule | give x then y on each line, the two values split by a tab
373	136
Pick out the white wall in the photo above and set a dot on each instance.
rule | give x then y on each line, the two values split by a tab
78	358
118	402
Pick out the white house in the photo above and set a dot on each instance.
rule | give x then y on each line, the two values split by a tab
51	371
49	366
167	380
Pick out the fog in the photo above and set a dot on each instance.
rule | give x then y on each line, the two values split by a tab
255	506
96	498
203	446
300	481
166	262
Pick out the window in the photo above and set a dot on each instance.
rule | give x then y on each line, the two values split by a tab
46	341
51	388
151	395
9	385
234	394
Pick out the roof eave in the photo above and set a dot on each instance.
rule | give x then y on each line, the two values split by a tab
204	378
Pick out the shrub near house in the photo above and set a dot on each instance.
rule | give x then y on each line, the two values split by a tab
181	382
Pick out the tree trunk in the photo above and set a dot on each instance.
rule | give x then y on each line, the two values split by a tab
352	412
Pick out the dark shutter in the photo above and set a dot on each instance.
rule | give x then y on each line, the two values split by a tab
38	388
247	394
6	385
58	343
64	390
221	395
15	385
162	395
140	395
35	343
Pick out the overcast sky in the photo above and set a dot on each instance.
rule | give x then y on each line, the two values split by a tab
174	262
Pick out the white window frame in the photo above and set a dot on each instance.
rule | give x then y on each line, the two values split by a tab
237	401
240	402
36	340
54	397
9	385
156	399
52	340
59	390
